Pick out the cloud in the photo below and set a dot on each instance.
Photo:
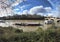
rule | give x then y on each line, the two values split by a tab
48	9
17	2
14	4
36	10
16	9
42	14
25	12
22	0
40	10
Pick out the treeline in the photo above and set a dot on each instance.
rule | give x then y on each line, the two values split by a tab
23	17
9	34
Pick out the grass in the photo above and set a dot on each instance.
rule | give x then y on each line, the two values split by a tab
10	34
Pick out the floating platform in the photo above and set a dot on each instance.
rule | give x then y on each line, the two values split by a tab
28	24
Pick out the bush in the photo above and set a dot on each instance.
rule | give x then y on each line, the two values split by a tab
17	35
18	31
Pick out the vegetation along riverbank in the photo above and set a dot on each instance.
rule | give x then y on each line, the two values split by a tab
10	34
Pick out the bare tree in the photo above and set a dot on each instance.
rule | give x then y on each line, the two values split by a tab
6	7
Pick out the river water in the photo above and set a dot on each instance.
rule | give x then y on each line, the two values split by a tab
11	23
8	23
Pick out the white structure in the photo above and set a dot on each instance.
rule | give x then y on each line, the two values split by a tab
50	20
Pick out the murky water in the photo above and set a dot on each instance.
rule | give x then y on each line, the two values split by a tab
8	23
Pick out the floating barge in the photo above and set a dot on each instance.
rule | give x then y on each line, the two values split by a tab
28	24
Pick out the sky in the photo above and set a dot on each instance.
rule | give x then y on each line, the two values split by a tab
39	7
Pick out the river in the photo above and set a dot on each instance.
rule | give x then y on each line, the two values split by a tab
11	23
